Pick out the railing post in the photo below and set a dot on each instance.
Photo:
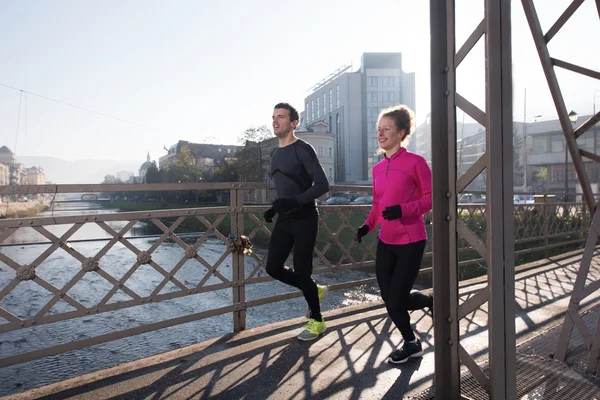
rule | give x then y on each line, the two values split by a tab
546	215
236	203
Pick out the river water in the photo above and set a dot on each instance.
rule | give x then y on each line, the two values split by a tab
58	269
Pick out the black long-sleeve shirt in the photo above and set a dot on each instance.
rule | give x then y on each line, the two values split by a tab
297	172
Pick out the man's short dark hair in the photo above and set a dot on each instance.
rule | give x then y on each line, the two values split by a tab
294	116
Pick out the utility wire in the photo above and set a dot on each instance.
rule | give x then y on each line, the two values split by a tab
87	109
18	122
25	95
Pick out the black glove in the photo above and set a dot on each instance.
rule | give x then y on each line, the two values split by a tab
360	232
269	214
392	212
283	205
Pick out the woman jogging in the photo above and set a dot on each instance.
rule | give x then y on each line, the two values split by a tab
401	195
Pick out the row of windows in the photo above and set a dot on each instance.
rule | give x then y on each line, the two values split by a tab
559	176
374	143
372	161
383	81
535	145
373	113
392	97
318	108
310	116
321	151
558	172
556	143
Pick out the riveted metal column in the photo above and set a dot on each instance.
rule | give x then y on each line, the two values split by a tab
573	318
445	261
236	202
500	235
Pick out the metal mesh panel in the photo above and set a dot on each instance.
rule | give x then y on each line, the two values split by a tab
537	378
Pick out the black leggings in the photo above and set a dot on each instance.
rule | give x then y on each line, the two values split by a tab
397	267
301	234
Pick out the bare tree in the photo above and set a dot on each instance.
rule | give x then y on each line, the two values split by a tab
253	159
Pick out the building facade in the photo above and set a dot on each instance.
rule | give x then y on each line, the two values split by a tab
205	152
18	174
544	153
348	102
144	168
125	176
4	174
14	173
35	176
323	140
7	156
540	155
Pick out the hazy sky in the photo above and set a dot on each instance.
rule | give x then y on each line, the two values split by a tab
207	69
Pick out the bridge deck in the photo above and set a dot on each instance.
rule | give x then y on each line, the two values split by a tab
348	362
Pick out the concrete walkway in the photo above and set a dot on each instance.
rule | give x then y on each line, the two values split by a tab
348	362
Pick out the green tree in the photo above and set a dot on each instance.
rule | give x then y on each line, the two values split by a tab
190	164
539	178
172	174
153	175
111	179
253	159
224	170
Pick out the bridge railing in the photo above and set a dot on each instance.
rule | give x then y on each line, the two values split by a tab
216	258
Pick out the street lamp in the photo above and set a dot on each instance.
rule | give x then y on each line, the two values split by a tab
573	118
535	118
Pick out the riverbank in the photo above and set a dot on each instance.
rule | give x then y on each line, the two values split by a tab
22	210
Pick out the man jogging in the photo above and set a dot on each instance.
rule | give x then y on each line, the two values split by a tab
299	180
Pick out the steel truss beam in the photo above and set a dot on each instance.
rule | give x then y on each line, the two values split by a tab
445	256
580	291
498	249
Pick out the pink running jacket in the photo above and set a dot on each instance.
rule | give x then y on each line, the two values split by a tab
405	180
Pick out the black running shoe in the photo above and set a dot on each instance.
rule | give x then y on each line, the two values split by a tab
408	350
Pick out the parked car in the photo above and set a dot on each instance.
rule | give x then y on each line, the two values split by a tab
523	199
337	201
471	198
349	195
352	195
363	200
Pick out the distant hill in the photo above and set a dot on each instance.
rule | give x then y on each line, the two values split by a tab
79	171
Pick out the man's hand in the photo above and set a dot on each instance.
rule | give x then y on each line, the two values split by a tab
392	212
360	232
283	205
269	214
